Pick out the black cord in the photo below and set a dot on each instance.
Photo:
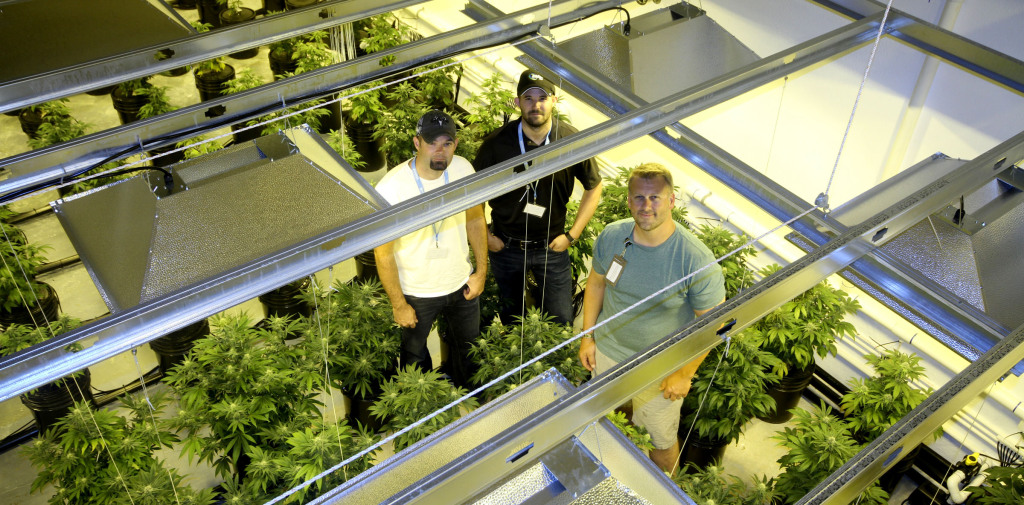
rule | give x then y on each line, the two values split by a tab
625	27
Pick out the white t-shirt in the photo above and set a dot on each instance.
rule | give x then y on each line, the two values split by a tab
422	272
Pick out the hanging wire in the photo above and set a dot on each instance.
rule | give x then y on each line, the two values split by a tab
321	332
513	371
860	90
152	418
700	406
775	128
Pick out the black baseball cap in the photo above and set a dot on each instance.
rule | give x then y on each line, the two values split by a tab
530	79
433	124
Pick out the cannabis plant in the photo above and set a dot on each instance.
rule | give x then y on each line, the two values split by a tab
732	389
411	395
196	147
488	110
58	125
817	444
500	348
437	82
211	66
384	31
241	387
808	325
18	268
877	402
397	126
736	270
354	328
312	52
636	434
712	486
103	457
1003	486
157	101
342	144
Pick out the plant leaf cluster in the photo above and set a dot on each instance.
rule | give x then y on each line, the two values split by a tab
413	394
21	261
397	126
58	124
736	269
501	348
240	388
712	486
384	31
737	393
636	434
818	443
100	456
808	325
354	328
1003	486
879	401
343	145
488	110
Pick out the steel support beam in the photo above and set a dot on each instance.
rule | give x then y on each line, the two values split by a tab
477	470
988	63
52	164
193	49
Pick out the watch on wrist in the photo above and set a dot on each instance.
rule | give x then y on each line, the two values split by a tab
571	240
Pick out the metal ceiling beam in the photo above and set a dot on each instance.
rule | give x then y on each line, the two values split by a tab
477	470
933	308
193	49
51	164
986	62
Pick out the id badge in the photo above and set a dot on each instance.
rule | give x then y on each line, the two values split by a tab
437	253
615	270
534	210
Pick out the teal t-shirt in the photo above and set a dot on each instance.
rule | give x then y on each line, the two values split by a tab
647	270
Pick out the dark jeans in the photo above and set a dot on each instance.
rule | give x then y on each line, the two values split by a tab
553	274
461	326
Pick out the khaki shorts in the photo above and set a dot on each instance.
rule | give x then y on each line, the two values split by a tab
650	409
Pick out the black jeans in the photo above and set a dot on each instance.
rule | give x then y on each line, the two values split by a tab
552	271
461	325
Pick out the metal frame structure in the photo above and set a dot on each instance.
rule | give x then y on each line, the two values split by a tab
964	329
127	330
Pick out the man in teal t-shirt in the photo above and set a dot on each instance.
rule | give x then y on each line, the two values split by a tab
633	258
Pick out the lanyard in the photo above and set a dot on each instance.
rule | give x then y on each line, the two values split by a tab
522	150
419	184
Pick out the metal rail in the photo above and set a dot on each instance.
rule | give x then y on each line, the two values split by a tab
188	50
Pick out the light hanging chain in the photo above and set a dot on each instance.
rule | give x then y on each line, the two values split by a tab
822	200
152	418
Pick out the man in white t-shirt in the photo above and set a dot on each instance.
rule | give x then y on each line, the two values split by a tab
428	272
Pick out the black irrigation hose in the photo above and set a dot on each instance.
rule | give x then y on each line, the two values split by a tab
61	263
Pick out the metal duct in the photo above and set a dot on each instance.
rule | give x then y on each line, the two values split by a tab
227	209
971	249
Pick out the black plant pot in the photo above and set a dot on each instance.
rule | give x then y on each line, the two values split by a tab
12	112
369	148
331	121
787	393
298	4
891	478
171	349
241	136
366	267
127	105
273	5
281	63
702	452
184	5
176	71
240	15
212	85
209	12
30	121
282	301
52	401
37	314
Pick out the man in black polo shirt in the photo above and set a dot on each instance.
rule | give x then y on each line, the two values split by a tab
528	228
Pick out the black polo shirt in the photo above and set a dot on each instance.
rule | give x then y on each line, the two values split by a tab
552	192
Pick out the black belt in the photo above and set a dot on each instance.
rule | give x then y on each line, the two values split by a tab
521	244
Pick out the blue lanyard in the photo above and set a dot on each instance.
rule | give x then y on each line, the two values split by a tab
419	184
522	150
